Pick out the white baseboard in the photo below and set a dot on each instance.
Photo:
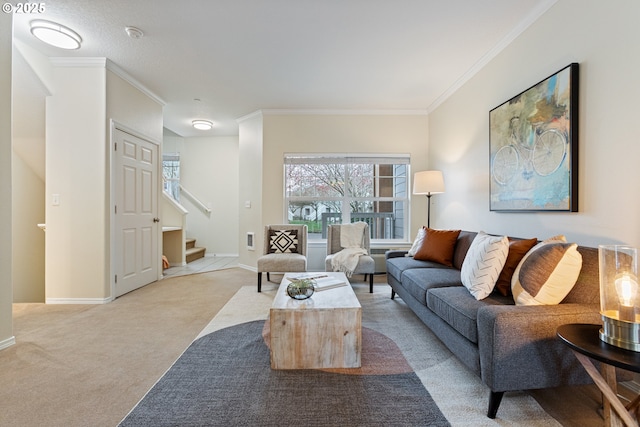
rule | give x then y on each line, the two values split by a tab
78	300
247	267
215	255
7	343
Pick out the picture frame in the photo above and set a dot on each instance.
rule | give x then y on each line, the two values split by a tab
533	147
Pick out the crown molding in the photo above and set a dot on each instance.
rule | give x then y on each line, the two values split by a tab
249	116
499	47
100	62
346	112
80	62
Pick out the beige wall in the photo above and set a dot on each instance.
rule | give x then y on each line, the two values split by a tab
76	160
28	240
338	133
209	170
250	189
86	97
272	134
28	172
604	40
6	293
129	107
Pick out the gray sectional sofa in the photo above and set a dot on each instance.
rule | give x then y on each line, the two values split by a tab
509	347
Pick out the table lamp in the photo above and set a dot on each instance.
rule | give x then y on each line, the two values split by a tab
428	183
619	296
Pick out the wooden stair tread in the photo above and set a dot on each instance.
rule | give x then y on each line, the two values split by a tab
194	253
195	250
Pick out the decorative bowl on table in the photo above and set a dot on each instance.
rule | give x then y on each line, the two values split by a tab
301	288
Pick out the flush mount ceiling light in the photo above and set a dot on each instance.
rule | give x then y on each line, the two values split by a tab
55	34
202	124
134	33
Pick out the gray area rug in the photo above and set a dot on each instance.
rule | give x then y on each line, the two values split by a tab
224	379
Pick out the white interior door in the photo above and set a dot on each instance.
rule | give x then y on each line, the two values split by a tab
136	212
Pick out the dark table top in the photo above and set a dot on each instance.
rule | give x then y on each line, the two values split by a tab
585	339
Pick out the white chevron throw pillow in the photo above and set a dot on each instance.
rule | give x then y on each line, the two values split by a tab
483	263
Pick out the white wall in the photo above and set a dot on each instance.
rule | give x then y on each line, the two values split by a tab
250	190
604	39
6	293
209	170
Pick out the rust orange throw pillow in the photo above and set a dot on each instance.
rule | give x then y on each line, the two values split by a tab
517	250
438	246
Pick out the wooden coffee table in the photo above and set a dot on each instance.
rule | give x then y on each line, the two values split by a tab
324	331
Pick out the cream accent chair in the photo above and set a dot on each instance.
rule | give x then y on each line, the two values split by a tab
283	262
366	264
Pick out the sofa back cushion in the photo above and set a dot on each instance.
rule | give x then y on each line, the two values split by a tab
587	287
465	238
518	248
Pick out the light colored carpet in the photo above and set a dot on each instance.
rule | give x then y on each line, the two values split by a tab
88	365
459	394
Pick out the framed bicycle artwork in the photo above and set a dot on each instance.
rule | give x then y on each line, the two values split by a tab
533	145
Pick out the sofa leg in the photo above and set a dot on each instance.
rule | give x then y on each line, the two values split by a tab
494	403
370	283
393	294
259	282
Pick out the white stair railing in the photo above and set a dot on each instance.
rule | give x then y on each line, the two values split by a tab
195	201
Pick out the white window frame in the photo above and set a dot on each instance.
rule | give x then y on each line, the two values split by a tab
342	158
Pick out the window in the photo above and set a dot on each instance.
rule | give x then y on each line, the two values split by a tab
321	190
171	174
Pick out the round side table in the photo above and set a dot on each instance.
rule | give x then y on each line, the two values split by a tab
584	340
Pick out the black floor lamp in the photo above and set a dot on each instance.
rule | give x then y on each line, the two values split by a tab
428	183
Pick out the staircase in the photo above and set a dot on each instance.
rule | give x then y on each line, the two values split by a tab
193	253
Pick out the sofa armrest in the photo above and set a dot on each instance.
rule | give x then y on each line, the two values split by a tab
519	348
395	254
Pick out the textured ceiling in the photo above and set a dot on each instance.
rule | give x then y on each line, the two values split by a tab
239	56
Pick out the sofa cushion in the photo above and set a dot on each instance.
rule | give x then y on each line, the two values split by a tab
517	250
483	264
546	273
457	307
397	266
419	280
438	246
465	238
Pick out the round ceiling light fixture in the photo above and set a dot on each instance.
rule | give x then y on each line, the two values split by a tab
55	34
202	124
134	33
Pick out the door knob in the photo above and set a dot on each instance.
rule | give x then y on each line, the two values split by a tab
156	219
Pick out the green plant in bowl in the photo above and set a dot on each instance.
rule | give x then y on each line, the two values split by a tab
301	288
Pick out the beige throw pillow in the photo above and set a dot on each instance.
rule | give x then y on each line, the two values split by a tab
483	263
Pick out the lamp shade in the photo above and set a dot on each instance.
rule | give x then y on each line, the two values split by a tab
428	182
619	296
